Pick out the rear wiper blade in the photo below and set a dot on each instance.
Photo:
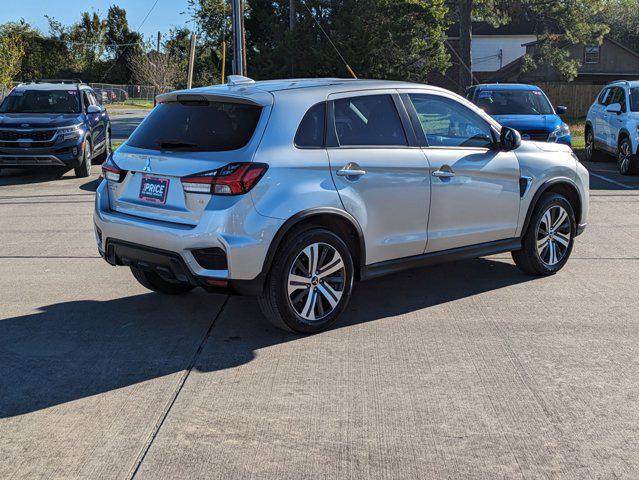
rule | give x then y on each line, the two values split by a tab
168	143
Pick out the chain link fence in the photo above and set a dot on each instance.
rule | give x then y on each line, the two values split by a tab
111	93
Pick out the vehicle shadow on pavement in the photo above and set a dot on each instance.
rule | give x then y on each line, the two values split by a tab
26	177
73	350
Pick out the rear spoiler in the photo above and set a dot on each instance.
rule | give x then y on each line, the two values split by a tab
258	98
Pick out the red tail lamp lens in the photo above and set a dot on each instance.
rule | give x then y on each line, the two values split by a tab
232	179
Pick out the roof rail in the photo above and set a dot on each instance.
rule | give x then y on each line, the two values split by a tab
233	80
619	81
58	80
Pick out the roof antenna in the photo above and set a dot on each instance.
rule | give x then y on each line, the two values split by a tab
348	67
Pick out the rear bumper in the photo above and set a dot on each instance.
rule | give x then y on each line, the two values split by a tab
243	234
171	266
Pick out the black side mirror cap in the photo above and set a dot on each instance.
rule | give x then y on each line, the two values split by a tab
561	110
509	139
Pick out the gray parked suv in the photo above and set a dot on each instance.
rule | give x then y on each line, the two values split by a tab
291	190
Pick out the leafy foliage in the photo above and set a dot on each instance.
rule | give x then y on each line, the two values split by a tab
11	53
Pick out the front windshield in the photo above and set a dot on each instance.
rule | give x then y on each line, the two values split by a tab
634	99
41	101
514	102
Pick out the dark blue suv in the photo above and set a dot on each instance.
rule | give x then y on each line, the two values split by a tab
53	123
524	108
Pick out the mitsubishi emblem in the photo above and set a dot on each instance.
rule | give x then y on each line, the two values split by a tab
147	166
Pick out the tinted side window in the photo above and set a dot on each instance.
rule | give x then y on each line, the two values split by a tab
620	98
447	123
602	96
368	120
310	133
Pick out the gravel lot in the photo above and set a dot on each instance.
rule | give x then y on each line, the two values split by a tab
466	370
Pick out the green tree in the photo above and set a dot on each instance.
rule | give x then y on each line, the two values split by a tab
402	39
11	54
121	43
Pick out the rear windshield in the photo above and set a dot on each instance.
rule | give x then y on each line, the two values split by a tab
41	101
514	102
197	126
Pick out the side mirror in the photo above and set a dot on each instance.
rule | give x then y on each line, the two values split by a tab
614	108
561	110
94	109
509	139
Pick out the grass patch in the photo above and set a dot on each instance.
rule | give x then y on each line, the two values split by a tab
577	130
131	103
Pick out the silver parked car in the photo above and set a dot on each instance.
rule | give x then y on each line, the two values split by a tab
291	190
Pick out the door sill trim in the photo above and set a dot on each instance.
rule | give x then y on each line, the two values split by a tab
462	253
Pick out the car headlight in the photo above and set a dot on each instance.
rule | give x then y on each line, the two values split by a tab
561	131
70	133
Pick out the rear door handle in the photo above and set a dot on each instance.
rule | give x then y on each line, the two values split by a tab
443	174
351	170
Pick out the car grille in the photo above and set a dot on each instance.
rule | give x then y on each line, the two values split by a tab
536	135
34	135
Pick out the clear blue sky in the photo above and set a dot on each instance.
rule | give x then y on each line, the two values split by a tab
166	14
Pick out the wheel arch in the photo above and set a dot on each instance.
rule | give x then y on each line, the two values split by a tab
624	133
562	186
334	219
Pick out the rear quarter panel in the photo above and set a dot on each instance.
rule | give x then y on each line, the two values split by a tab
297	179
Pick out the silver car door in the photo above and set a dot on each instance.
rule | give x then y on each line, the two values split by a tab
379	171
475	193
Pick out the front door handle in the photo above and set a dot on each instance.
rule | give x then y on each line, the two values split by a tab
443	174
351	170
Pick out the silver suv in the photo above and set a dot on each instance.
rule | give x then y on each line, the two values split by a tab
291	190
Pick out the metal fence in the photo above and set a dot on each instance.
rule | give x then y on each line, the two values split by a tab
110	93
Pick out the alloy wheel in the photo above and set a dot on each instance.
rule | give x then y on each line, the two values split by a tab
589	145
316	281
553	235
624	157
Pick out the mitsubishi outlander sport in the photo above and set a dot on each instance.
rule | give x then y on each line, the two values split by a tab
291	190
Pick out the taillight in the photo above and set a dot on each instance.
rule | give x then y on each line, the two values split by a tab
232	179
111	171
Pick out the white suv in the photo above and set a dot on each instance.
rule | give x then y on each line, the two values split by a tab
612	125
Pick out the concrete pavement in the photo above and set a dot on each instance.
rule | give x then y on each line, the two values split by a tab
124	121
466	370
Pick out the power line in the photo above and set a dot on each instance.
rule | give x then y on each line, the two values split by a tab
350	70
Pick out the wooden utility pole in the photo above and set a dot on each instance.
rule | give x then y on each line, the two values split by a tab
465	40
155	89
189	79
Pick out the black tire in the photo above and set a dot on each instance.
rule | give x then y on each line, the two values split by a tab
84	169
154	282
529	258
275	302
591	153
100	159
626	159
